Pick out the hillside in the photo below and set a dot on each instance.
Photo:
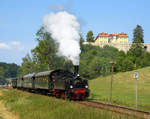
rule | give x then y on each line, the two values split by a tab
123	88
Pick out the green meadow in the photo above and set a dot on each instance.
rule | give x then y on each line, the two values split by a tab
35	106
124	87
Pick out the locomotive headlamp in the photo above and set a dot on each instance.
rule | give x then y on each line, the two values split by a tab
71	86
86	86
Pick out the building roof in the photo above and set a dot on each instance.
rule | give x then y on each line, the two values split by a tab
121	35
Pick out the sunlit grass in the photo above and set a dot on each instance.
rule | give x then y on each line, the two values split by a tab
123	89
34	106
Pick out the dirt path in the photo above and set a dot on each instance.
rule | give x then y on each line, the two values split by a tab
4	113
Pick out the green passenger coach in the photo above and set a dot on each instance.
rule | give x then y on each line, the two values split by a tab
42	80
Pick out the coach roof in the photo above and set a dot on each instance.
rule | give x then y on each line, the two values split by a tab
29	75
45	73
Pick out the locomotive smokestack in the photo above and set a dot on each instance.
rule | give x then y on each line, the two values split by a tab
76	69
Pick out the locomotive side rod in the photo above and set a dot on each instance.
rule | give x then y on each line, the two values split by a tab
116	108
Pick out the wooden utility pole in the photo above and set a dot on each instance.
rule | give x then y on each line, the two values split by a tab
111	82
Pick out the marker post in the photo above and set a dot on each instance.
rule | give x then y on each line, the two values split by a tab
136	78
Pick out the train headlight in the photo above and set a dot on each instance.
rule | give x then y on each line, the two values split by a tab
71	86
86	86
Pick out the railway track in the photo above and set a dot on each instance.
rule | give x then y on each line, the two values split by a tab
119	109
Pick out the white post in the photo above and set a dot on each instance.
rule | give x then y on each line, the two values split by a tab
136	88
136	92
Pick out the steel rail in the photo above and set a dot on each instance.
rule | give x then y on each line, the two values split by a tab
117	108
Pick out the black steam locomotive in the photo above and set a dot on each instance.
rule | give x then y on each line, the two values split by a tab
59	83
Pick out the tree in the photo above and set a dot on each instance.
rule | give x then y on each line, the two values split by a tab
7	71
45	51
137	48
138	36
99	66
89	36
10	70
27	66
43	56
127	64
81	41
2	72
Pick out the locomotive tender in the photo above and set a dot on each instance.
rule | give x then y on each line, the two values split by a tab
59	83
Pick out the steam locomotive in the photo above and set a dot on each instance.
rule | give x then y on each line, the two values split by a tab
59	83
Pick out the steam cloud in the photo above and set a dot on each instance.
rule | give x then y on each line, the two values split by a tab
64	29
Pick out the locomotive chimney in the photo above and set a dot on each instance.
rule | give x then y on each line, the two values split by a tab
76	68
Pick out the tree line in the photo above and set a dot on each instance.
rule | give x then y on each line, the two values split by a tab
7	71
94	61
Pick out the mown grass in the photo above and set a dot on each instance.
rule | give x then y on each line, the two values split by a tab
34	106
123	89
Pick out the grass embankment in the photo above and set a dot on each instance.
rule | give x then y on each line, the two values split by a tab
123	89
34	106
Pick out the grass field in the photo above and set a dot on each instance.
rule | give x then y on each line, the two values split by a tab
35	106
123	89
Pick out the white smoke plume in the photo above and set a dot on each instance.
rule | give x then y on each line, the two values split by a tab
64	29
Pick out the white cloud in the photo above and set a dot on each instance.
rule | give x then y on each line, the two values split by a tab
17	44
12	45
4	46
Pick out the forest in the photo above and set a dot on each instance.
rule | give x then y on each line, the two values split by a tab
7	70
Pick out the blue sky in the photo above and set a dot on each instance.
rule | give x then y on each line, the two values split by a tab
20	19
